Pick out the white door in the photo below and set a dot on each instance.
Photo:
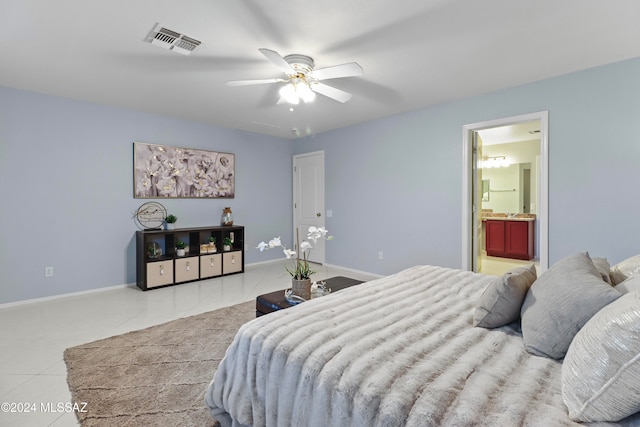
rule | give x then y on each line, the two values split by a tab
476	206
308	199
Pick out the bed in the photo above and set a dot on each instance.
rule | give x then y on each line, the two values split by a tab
399	350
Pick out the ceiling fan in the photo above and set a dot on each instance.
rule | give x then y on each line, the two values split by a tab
303	82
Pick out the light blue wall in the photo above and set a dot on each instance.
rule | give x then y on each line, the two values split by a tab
395	184
67	196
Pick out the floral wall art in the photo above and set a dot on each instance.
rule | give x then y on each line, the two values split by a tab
173	172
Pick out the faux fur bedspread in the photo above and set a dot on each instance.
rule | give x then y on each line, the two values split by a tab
395	351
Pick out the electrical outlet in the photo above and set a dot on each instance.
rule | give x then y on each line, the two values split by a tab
380	255
246	246
48	272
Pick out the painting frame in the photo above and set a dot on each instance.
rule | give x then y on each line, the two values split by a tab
167	172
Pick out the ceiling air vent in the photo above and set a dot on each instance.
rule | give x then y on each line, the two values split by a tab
185	45
172	40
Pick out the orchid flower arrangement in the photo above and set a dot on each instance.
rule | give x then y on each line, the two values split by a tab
301	268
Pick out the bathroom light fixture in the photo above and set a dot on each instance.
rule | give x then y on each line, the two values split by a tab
495	162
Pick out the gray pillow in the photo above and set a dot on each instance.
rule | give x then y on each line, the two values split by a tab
500	303
602	264
601	372
560	302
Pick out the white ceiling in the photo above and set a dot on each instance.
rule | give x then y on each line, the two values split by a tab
415	53
527	131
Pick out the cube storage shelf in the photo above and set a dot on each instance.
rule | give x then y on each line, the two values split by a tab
198	263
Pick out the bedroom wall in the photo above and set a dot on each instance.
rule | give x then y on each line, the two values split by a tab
67	196
395	184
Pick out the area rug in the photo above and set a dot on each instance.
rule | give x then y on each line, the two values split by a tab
154	376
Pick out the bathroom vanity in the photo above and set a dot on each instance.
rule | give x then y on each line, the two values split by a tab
510	237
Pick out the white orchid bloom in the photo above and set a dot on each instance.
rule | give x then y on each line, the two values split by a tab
316	232
301	268
275	242
313	234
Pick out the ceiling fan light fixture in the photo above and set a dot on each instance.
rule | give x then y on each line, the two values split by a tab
289	94
301	75
304	92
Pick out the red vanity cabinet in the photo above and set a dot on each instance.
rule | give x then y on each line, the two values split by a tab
509	238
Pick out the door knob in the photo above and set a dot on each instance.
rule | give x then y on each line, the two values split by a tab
318	214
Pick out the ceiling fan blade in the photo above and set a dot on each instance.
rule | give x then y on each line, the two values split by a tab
331	92
352	69
278	61
252	82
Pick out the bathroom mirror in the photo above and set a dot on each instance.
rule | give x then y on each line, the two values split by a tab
485	190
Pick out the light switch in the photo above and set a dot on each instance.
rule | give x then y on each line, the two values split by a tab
329	213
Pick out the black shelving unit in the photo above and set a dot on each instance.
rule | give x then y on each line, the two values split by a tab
198	263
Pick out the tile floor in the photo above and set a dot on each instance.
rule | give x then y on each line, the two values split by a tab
34	335
498	266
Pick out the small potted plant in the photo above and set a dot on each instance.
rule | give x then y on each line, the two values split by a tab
227	243
301	271
170	221
180	248
154	250
212	244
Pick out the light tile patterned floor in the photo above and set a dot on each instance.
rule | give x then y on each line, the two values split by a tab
34	335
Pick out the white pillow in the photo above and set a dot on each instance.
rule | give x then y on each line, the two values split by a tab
632	284
625	269
601	371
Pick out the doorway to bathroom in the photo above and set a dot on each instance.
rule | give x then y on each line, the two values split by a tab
505	187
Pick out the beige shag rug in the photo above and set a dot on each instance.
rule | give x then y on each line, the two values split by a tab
155	376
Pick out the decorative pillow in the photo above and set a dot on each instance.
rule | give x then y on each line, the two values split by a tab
602	264
625	269
601	372
632	284
500	303
560	302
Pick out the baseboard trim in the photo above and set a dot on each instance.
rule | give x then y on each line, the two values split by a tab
133	285
70	294
366	273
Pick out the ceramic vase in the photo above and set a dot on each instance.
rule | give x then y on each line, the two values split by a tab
301	288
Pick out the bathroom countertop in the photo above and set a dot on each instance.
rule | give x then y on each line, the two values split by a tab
504	218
